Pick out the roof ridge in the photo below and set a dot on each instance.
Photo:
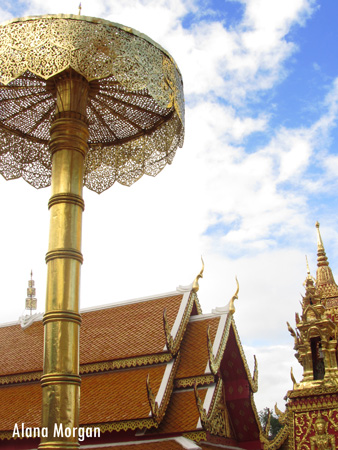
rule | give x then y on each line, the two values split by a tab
180	290
134	300
211	315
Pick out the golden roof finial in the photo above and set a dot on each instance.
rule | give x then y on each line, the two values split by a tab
324	272
195	285
80	7
232	301
322	259
309	277
31	301
307	267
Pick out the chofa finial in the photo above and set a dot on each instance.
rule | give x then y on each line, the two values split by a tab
195	285
234	297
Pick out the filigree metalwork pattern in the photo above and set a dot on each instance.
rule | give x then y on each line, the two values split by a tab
253	381
196	436
95	367
135	110
308	434
190	382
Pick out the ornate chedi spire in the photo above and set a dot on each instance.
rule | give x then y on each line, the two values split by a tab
326	286
311	409
31	301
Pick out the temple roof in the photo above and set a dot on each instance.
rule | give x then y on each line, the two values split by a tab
155	364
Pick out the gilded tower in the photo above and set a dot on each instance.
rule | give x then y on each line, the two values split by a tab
311	417
312	406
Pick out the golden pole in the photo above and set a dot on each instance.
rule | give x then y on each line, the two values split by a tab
61	381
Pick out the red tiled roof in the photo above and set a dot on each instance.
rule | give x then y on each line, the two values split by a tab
194	349
182	414
107	334
105	397
25	402
128	330
21	350
163	444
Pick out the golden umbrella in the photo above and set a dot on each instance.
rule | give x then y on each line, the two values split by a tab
83	101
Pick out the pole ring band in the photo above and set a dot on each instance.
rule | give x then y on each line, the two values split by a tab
62	316
70	115
60	378
68	253
66	198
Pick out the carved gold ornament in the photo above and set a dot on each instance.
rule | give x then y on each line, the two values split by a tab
135	108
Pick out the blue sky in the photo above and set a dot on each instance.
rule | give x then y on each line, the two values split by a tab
258	169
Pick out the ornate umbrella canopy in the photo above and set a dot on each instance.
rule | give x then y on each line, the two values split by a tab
135	109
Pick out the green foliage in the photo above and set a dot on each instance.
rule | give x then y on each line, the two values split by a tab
275	426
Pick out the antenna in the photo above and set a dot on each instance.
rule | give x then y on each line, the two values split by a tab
31	301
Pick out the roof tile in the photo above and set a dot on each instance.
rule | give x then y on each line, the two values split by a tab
194	349
105	397
176	422
124	331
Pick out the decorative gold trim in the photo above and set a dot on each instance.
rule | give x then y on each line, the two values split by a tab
126	425
60	378
277	442
19	378
282	416
190	382
104	427
158	411
233	298
197	303
314	402
69	253
167	332
183	325
196	436
8	435
216	420
212	362
152	402
253	380
69	316
320	390
94	367
201	411
215	361
125	363
66	197
195	285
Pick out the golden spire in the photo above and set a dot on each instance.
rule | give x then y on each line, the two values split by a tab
325	284
309	278
80	7
195	285
31	301
322	259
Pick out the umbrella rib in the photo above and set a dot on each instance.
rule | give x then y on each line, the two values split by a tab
120	116
139	108
43	118
92	107
25	109
22	97
149	131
